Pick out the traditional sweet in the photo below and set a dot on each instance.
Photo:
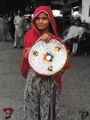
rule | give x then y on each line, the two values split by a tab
47	58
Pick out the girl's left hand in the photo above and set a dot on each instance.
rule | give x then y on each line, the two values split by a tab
25	56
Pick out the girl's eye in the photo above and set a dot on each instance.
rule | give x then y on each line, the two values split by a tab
45	18
37	18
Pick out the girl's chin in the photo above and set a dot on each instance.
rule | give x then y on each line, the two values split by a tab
42	29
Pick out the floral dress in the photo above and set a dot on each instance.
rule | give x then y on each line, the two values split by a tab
42	98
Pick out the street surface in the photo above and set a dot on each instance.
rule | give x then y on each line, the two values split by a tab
75	95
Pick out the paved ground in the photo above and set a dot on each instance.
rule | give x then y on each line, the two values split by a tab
75	94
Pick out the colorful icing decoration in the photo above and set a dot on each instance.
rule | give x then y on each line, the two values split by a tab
35	53
50	68
57	49
44	56
47	57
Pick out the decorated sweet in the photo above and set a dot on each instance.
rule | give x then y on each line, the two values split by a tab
35	53
47	58
50	68
57	49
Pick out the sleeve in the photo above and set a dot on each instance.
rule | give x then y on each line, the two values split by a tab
27	43
24	65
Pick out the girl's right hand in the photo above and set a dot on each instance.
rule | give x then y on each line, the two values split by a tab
44	37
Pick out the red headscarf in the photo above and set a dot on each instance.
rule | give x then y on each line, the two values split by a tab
33	34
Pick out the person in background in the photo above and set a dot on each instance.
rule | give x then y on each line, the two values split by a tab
18	30
5	30
11	25
77	39
28	26
41	95
23	26
1	28
73	36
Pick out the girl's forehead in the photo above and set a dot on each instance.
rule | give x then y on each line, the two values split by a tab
42	14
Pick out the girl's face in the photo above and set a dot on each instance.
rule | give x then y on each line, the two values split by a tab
42	22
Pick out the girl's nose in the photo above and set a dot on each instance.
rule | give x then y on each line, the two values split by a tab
40	20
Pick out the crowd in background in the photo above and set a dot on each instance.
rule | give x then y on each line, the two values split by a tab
16	25
76	36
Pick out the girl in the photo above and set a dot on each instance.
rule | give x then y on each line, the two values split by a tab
42	95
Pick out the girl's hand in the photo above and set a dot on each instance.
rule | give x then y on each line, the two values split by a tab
25	56
44	37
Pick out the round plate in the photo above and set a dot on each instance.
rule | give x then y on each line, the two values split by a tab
47	58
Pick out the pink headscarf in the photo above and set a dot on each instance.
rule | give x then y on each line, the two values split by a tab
33	34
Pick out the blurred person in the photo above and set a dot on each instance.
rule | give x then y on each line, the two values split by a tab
73	36
1	28
23	26
41	95
77	39
5	30
18	30
11	25
28	26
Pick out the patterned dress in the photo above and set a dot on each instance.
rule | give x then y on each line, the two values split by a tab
42	98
